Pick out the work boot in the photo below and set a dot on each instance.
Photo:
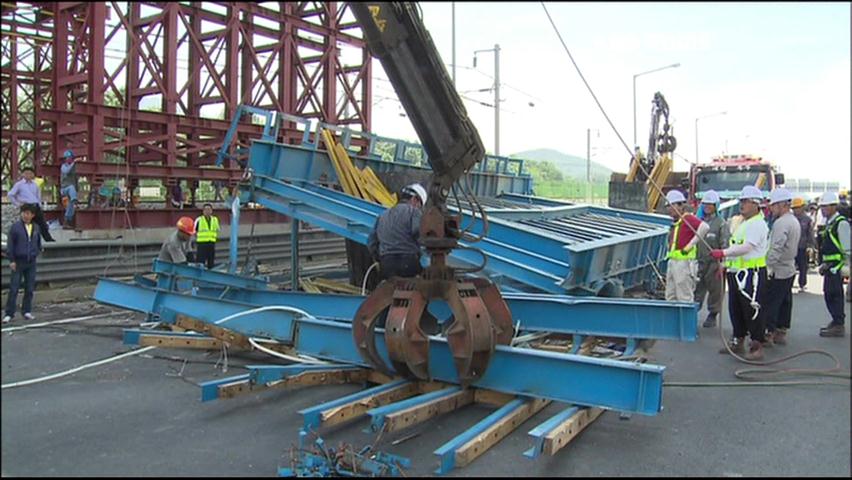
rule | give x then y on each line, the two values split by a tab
710	321
780	337
755	351
833	330
768	340
737	346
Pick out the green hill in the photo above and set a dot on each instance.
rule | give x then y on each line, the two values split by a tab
570	165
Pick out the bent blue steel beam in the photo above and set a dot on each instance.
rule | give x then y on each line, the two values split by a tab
209	276
623	386
167	305
608	317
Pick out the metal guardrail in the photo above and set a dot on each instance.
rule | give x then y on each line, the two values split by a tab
85	260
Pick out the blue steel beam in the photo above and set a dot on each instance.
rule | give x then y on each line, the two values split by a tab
313	415
447	452
263	374
622	386
204	275
379	415
608	317
540	432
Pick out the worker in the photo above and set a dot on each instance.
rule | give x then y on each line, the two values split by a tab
682	268
781	266
806	241
710	281
834	244
177	247
26	191
207	232
23	248
394	240
68	185
746	266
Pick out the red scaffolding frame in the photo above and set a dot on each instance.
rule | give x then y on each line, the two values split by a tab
146	90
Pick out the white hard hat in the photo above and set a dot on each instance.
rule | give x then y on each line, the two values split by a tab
751	192
780	195
416	189
674	196
711	197
828	198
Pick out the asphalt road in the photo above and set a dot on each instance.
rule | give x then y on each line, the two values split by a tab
135	417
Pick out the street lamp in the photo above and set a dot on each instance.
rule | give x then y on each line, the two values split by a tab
696	130
674	65
496	51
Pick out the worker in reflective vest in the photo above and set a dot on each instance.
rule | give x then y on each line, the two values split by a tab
207	232
682	269
834	253
746	265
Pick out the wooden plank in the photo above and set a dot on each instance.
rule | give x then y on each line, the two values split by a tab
230	338
490	397
560	436
170	341
420	413
357	408
487	439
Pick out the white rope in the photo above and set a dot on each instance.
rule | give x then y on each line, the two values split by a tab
56	322
366	276
741	285
77	369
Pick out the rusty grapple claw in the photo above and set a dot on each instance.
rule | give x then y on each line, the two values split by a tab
481	320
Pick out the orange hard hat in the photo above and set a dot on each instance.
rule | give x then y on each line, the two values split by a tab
798	202
186	225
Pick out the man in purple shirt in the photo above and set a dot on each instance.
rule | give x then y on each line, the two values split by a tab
26	191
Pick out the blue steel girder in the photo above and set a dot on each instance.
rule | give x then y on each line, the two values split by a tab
263	374
623	386
161	267
607	317
537	265
540	432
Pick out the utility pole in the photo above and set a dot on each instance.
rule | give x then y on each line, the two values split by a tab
588	165
496	99
454	41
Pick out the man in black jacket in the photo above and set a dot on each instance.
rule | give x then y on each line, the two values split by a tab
23	247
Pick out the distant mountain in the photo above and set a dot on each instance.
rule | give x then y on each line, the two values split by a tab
569	165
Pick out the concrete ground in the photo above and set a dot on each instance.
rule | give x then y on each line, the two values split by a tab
137	417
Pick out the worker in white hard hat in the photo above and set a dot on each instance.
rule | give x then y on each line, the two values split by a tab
682	268
746	267
834	254
394	240
781	266
711	283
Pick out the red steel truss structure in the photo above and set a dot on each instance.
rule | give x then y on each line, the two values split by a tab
147	90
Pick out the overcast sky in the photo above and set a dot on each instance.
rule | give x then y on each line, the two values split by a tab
780	70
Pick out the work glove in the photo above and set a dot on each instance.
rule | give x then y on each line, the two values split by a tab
717	254
823	268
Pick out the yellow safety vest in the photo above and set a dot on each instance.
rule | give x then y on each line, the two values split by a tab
207	233
738	238
674	252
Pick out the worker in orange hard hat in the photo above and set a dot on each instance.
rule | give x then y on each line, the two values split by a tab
807	241
177	248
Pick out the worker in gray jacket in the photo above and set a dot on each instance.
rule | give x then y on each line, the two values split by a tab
781	266
394	240
711	282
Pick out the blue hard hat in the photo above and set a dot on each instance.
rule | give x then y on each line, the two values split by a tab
69	154
104	191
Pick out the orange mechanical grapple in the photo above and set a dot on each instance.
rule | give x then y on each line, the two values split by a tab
396	36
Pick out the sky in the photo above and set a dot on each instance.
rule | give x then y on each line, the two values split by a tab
780	71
